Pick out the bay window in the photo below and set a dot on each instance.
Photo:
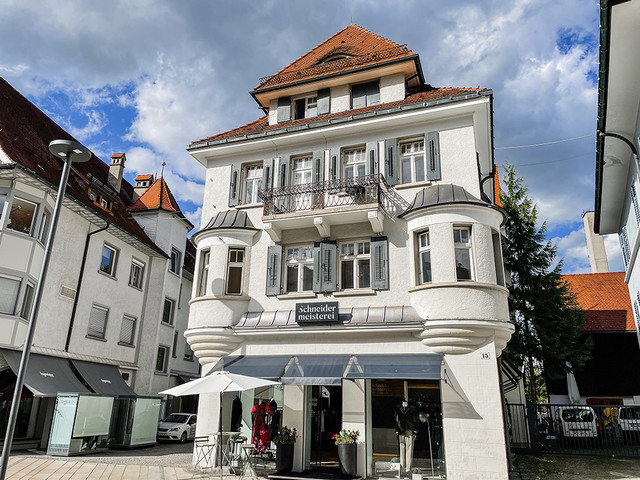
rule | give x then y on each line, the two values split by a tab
424	258
462	245
235	265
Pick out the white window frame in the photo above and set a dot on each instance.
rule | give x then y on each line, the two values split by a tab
18	280
175	261
302	164
172	311
203	278
423	241
310	106
300	263
134	322
353	159
461	245
358	255
136	281
27	301
252	175
33	217
410	150
104	326
43	230
167	353
111	271
232	262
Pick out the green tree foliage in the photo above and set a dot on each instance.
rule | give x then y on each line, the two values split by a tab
545	312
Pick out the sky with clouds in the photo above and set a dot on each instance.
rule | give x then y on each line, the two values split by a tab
147	77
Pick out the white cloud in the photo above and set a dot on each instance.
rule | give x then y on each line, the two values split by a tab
614	253
195	217
572	249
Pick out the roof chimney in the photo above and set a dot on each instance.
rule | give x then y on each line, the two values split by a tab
143	182
116	168
595	246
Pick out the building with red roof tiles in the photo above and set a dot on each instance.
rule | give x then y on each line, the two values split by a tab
351	246
113	305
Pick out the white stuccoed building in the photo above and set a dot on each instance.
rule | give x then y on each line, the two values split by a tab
351	249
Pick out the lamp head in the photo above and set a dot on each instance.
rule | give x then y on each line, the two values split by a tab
68	149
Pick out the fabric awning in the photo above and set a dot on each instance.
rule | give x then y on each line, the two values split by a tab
316	370
103	379
186	378
269	367
46	376
425	366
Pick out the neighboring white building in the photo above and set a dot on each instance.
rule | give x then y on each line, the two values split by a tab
351	247
116	294
617	208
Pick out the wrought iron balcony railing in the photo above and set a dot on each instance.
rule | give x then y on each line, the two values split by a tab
364	190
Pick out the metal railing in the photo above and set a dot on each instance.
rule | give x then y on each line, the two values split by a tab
364	190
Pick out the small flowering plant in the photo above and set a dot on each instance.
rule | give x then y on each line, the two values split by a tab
346	436
285	436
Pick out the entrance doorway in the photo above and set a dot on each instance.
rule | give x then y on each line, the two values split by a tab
326	419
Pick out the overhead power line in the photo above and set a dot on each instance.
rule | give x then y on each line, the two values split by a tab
545	143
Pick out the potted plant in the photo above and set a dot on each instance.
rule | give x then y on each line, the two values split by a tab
285	439
347	451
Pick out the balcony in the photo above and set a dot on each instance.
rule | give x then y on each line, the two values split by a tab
322	204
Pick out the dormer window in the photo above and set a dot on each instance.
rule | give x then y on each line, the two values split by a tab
335	58
365	95
305	107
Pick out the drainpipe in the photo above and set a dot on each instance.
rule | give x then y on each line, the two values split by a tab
79	284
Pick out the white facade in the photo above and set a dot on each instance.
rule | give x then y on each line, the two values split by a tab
457	315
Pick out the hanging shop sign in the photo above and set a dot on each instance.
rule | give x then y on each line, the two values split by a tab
319	312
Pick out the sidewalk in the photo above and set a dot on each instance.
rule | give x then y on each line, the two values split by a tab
565	467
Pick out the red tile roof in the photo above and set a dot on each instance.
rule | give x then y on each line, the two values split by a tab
117	155
605	299
157	196
262	124
25	133
360	47
144	177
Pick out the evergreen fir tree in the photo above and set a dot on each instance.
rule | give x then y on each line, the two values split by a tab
547	317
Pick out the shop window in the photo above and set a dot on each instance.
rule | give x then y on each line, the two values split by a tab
354	163
252	175
299	269
175	261
235	264
424	258
305	107
97	322
462	245
109	260
365	95
21	216
204	273
9	290
136	274
27	300
412	161
167	311
355	265
128	330
162	359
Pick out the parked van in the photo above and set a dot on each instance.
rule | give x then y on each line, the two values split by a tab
577	422
629	422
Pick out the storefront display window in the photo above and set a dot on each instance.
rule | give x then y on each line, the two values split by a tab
406	429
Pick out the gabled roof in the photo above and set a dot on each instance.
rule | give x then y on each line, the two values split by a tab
354	46
157	197
604	297
148	176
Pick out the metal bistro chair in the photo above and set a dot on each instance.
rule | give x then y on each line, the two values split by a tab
203	449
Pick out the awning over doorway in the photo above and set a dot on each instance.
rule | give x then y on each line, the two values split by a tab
316	370
269	367
425	366
103	379
46	376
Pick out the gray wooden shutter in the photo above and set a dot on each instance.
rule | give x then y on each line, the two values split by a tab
380	255
334	166
267	174
283	172
234	186
324	101
284	109
390	161
317	270
318	166
358	96
373	94
329	279
432	146
274	269
372	158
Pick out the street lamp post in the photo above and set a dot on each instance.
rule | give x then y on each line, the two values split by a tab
70	152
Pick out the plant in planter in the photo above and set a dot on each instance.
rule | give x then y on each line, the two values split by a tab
346	441
285	439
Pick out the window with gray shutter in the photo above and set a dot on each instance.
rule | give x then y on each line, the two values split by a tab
324	101
432	147
97	321
318	166
324	267
9	289
127	329
267	174
234	186
372	158
284	109
334	166
274	269
391	161
365	95
380	257
283	172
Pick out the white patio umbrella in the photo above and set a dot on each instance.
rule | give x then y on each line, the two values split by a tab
218	382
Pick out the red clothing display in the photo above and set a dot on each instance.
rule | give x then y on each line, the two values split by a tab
261	437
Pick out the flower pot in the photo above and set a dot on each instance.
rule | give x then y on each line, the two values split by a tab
348	457
284	458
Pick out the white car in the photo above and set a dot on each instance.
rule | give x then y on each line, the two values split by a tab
578	423
629	421
177	426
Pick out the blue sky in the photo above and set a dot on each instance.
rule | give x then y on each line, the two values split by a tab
147	77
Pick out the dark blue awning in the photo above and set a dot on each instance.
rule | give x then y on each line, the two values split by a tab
316	370
409	366
269	367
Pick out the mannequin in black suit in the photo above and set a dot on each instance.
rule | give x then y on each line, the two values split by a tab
407	424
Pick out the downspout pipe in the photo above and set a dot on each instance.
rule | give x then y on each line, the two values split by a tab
79	284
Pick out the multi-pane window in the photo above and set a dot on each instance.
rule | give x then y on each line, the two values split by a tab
301	173
108	260
462	245
21	215
97	321
299	269
235	265
306	107
624	245
136	274
412	161
162	359
44	226
27	301
9	290
355	265
175	261
424	258
252	183
167	311
128	329
354	163
636	207
204	273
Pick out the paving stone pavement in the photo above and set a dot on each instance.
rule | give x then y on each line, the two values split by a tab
565	467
